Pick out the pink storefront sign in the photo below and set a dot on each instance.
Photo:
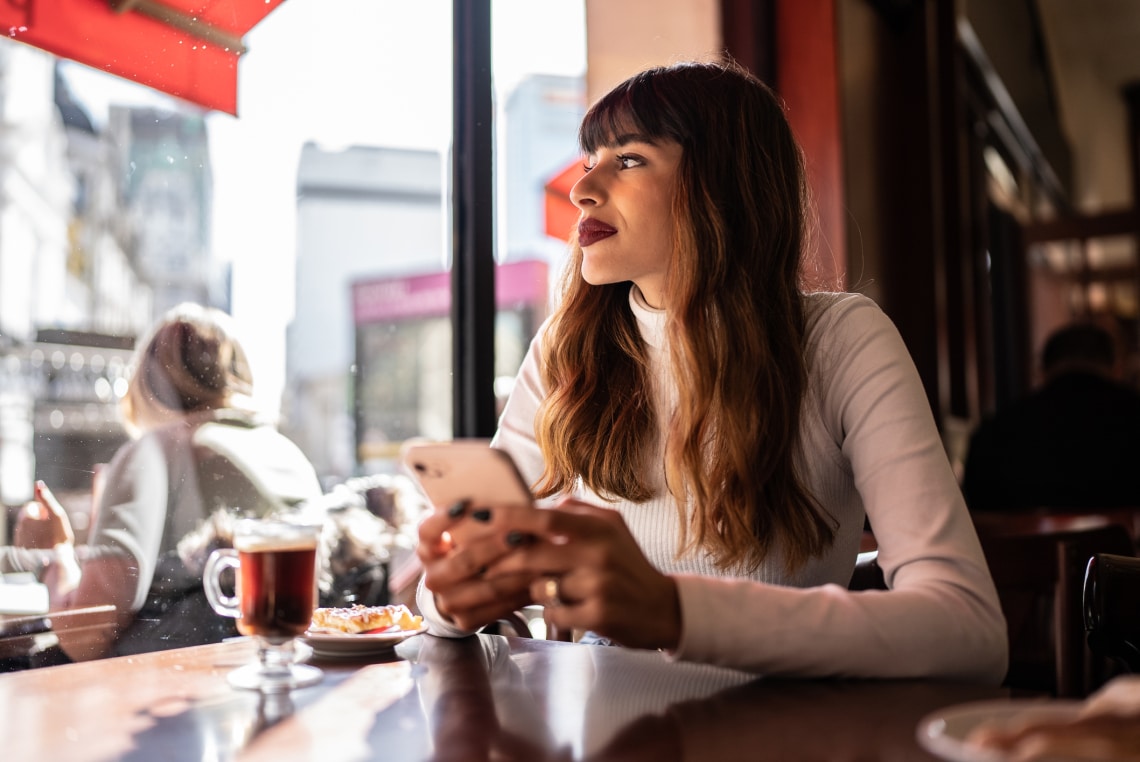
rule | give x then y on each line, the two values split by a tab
386	299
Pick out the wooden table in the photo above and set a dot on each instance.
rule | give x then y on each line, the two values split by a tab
485	697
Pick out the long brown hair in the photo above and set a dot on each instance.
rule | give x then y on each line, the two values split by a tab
191	361
735	326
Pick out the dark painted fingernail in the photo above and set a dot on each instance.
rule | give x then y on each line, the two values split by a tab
516	538
457	510
481	514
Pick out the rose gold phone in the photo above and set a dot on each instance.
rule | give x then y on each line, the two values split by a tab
471	470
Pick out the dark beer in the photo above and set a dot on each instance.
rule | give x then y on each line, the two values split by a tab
277	588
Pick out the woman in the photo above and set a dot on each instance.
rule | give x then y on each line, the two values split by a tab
198	447
717	436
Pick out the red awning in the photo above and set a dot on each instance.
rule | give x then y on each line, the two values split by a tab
561	214
187	48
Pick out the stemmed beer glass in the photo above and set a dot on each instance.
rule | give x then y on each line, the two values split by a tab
276	568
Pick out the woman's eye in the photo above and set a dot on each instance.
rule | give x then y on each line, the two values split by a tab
624	161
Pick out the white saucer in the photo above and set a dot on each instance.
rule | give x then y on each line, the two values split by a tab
332	645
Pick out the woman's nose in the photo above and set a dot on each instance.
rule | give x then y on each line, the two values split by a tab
586	191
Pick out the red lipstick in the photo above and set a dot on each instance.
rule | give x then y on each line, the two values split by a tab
590	231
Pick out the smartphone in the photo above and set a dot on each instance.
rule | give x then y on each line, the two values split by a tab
471	470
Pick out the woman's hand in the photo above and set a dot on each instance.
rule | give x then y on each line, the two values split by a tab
43	523
589	572
455	572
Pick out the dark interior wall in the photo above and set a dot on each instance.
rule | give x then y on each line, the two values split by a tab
925	240
900	158
897	188
1010	33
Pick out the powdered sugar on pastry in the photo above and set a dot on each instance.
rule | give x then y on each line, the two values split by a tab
355	620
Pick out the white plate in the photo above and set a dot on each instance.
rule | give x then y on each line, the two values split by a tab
943	733
344	646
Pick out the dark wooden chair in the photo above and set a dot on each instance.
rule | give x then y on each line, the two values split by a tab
1039	575
1047	520
1112	609
867	575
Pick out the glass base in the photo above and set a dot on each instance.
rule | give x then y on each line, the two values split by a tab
278	668
254	678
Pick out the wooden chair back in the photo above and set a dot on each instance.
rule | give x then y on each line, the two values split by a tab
1040	581
1112	608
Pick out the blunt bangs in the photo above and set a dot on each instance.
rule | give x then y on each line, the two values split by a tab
636	108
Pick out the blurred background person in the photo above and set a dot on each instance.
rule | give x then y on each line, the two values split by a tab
199	450
1072	443
43	543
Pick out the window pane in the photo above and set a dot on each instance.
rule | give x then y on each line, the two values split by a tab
314	217
539	67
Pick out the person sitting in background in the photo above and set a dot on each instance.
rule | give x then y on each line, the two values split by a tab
199	446
1072	443
43	543
713	434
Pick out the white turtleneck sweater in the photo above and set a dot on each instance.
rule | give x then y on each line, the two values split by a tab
870	447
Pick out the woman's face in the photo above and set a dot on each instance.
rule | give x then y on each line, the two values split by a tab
626	200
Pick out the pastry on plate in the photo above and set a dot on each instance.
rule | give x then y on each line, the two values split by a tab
356	620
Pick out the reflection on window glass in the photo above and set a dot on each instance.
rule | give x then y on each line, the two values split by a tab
318	217
132	201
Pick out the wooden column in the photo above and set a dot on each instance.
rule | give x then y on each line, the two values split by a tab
791	45
1132	104
748	28
807	78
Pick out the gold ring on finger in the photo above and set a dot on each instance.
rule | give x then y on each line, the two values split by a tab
551	591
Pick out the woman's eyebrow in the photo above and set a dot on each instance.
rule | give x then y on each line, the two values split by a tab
629	137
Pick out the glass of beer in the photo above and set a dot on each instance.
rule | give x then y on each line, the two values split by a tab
276	590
